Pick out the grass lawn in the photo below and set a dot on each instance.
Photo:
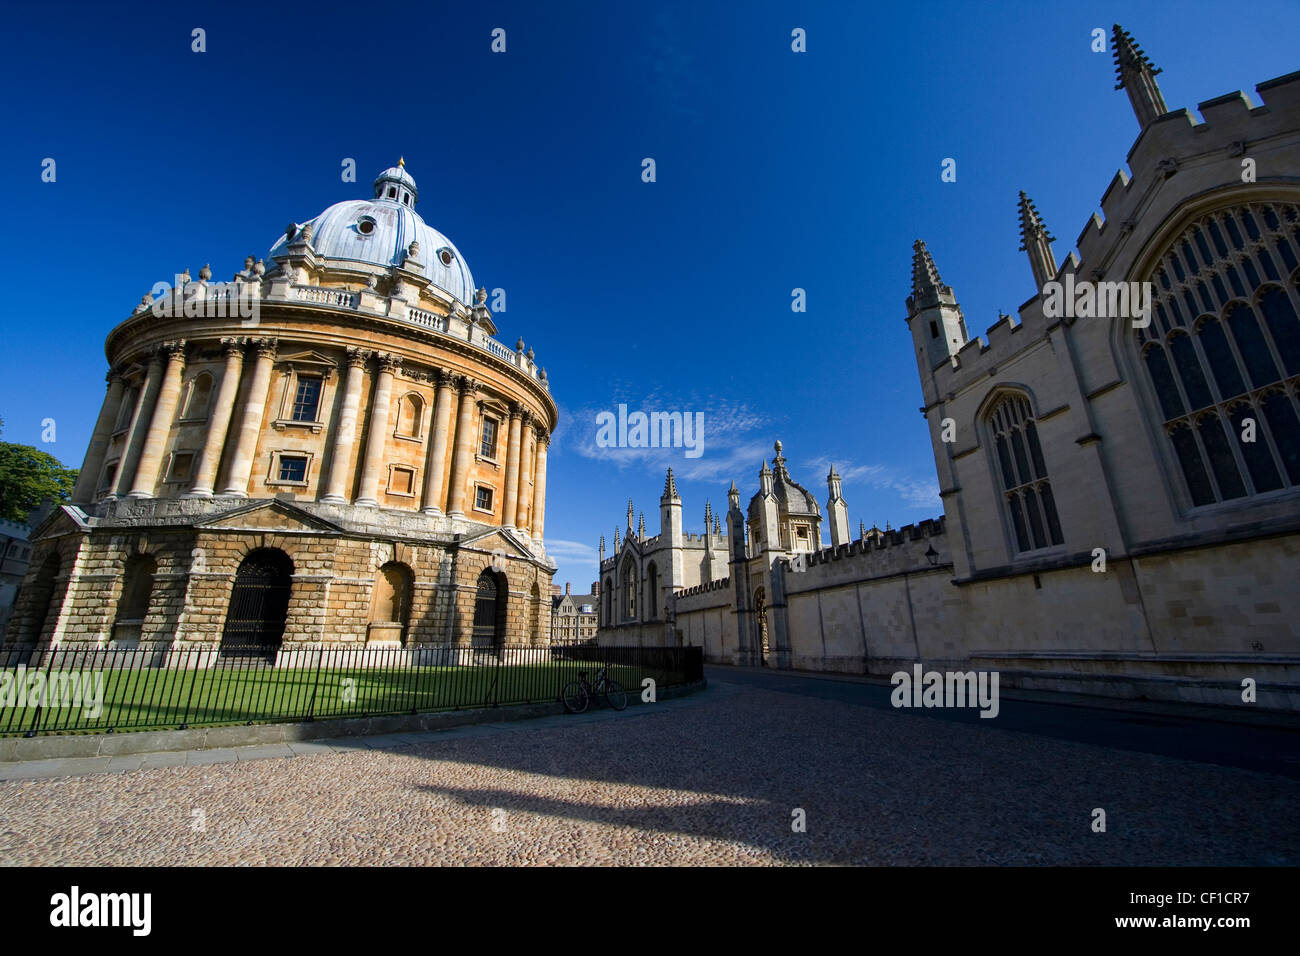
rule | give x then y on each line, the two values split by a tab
166	698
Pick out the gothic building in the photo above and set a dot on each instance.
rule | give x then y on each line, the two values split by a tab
329	451
1121	485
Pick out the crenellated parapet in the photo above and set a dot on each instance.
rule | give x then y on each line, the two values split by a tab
920	547
719	585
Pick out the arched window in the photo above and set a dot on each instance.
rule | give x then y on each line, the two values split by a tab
652	592
390	602
1227	391
196	404
410	415
1026	491
535	618
629	585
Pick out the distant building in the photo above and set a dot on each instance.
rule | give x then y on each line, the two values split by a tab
15	557
573	616
1120	481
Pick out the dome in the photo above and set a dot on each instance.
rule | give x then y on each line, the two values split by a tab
379	232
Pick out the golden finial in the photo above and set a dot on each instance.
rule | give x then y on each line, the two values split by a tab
401	161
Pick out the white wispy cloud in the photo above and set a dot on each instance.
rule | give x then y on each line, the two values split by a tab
572	551
729	443
916	492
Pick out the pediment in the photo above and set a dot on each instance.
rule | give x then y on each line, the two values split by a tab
268	516
305	359
497	539
62	520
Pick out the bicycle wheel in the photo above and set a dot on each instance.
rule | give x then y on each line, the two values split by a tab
615	695
575	697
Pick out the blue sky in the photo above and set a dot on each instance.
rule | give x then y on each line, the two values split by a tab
775	171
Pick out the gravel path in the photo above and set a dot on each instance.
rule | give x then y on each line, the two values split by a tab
713	779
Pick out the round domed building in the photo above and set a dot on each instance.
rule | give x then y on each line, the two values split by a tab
330	450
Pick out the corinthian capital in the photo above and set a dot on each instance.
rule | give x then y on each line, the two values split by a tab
466	385
388	362
265	347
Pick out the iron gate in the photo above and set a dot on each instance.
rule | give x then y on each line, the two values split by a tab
487	616
259	604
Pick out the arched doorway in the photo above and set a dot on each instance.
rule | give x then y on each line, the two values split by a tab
760	615
259	604
133	605
43	595
490	610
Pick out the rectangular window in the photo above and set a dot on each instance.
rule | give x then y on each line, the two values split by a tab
182	463
306	400
403	481
488	445
483	499
293	468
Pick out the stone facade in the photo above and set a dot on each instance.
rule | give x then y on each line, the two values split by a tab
1121	489
356	444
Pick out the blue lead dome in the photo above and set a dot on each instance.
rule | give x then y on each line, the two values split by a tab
380	231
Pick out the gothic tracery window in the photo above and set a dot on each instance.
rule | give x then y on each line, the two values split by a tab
1222	352
1030	506
629	590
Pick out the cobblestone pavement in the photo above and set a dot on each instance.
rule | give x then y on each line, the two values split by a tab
714	778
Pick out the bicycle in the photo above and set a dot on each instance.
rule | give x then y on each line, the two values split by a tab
577	695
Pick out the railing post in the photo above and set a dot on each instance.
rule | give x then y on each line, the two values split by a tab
315	684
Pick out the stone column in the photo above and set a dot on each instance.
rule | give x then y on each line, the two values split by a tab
539	485
84	491
435	469
210	458
345	438
464	453
250	420
160	424
140	419
525	472
512	466
377	431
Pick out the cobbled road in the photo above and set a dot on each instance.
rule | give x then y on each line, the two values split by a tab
715	778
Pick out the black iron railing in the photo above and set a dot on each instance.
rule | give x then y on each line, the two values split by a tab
156	686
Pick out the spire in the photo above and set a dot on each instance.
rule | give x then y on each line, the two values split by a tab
717	525
1036	241
862	529
926	284
708	516
640	528
1137	76
602	549
616	540
629	515
670	486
